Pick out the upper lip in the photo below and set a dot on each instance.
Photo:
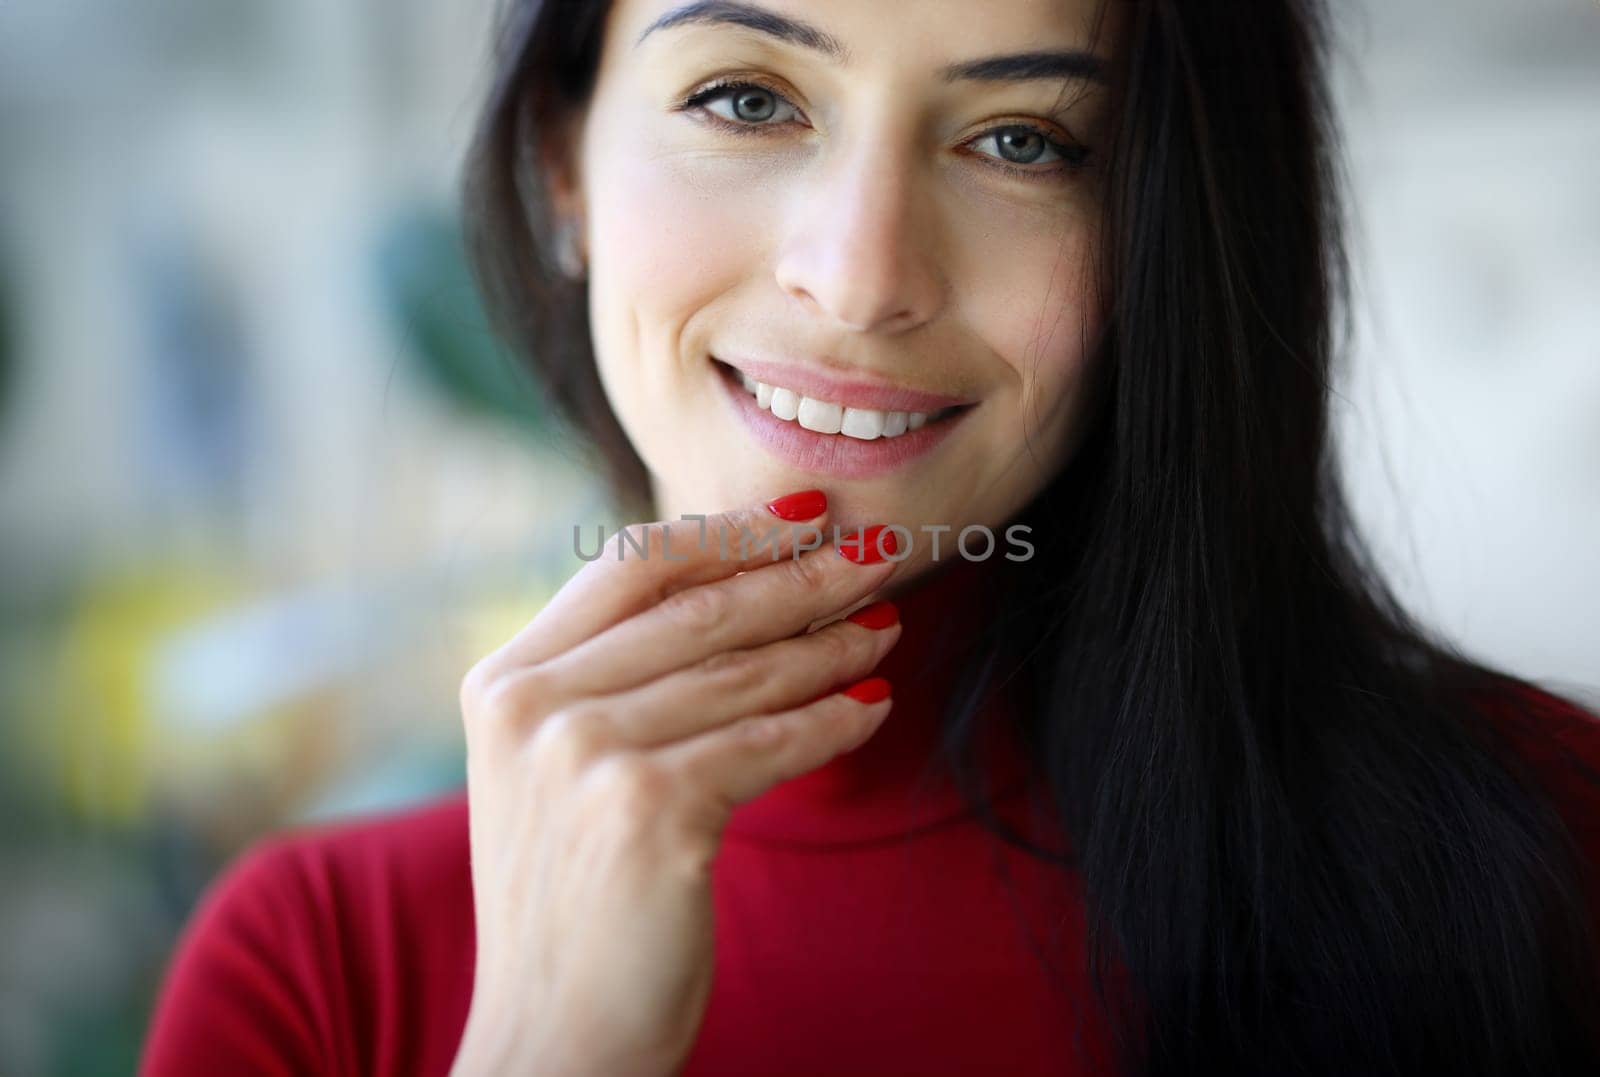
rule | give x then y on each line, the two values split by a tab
858	389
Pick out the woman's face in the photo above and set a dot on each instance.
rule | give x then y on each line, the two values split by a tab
891	199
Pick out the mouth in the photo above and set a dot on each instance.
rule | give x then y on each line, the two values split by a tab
853	420
831	437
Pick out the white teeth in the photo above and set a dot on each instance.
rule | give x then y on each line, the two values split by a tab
864	424
785	403
820	416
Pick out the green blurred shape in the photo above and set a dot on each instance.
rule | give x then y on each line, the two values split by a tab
428	289
101	1040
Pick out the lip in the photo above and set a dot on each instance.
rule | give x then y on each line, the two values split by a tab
832	454
860	391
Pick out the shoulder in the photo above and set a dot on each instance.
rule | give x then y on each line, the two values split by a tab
311	946
414	852
339	871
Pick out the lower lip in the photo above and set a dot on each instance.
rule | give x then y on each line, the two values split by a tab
833	454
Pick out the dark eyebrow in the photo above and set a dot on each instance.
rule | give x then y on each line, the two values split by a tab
752	18
1066	64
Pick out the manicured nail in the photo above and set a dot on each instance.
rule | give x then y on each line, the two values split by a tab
805	505
872	545
878	615
871	690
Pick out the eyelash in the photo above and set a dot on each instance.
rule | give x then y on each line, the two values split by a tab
1073	157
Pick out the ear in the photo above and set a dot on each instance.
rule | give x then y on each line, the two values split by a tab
561	159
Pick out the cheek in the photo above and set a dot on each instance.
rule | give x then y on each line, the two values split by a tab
1033	305
662	246
669	232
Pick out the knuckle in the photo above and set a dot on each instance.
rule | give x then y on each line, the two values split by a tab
754	534
734	671
474	686
633	787
730	525
571	740
840	648
627	546
698	609
764	732
806	573
633	542
504	701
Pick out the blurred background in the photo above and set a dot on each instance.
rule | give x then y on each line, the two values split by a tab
268	488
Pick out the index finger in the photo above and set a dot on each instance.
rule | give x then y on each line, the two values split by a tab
644	563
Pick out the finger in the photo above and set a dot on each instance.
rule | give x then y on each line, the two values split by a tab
775	677
766	604
738	762
645	563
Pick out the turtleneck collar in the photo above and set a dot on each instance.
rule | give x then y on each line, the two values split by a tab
896	783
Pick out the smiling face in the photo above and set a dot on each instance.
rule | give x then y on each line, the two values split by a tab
867	208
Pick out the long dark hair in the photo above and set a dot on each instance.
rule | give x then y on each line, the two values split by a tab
1308	841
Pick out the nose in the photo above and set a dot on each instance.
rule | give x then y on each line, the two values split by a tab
860	252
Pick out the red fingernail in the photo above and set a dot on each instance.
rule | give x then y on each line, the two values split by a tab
871	690
805	505
871	545
876	616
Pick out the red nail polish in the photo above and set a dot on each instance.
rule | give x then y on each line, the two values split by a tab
878	615
805	505
871	690
864	548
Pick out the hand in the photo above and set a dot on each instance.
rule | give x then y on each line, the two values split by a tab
607	744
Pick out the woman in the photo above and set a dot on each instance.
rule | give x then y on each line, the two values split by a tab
1142	772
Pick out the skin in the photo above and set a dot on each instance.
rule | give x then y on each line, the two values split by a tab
610	739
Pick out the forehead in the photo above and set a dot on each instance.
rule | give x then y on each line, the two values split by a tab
856	34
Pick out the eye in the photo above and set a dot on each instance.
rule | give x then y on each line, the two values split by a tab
1019	145
743	104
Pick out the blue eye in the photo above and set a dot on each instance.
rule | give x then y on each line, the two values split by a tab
1020	144
749	104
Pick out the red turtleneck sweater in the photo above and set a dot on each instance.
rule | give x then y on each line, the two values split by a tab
865	923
